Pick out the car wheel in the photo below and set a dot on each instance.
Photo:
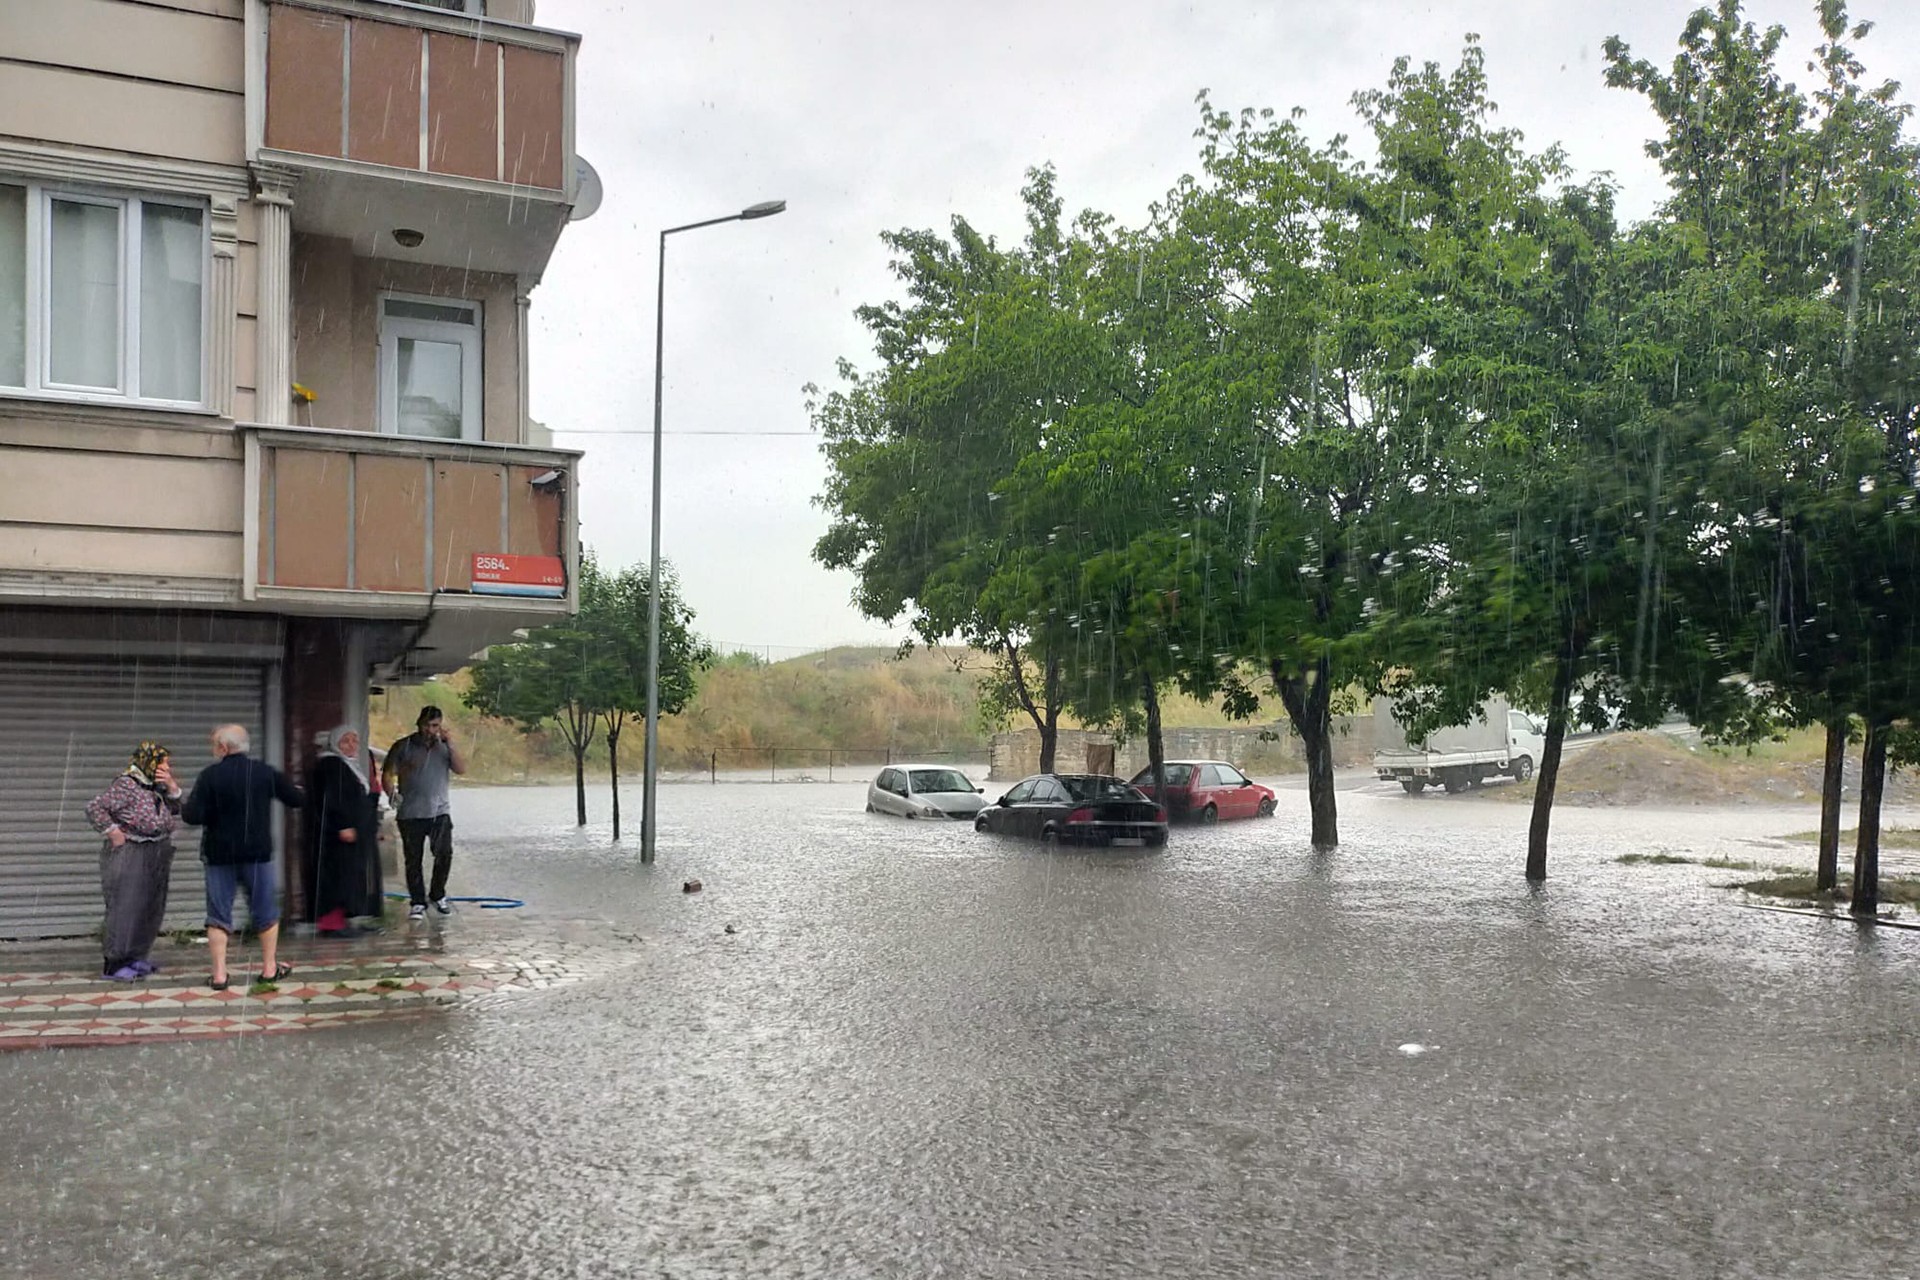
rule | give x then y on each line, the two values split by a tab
1456	785
980	823
1157	841
1269	807
869	808
1209	816
1523	768
1049	836
1413	786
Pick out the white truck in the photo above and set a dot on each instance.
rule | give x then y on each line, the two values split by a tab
1498	742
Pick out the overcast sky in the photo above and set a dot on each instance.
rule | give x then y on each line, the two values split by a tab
885	114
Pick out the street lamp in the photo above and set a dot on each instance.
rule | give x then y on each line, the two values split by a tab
651	769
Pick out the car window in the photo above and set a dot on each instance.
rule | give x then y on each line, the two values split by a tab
1231	777
927	781
1047	791
1519	722
888	781
1020	792
1087	788
1178	775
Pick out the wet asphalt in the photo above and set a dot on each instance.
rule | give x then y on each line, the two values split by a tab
927	1053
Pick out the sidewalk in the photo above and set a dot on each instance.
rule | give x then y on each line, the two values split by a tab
52	995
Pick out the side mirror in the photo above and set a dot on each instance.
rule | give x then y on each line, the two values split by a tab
979	791
1002	802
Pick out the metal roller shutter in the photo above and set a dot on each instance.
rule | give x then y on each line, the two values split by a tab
66	729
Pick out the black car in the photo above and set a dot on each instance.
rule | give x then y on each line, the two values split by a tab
1076	808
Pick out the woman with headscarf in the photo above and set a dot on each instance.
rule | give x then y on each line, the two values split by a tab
343	857
137	815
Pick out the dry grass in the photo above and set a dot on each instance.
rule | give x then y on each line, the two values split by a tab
1890	838
1718	864
1903	891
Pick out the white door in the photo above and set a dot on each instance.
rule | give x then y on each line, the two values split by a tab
430	368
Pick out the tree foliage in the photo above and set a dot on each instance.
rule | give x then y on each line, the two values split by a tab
591	670
1424	418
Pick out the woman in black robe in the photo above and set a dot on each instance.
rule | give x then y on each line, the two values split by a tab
343	852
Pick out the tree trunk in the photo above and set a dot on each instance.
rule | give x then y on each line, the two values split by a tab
1564	671
1046	720
1308	698
1866	850
1050	720
1156	740
580	784
1832	779
613	769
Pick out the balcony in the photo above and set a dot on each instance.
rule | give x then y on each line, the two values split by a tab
471	540
397	118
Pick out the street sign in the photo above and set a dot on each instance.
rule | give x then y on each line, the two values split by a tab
541	576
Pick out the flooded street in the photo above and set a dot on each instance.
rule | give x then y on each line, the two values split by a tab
927	1053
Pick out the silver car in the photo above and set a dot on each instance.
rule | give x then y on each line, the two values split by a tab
924	791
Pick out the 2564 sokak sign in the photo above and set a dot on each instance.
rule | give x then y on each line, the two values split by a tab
501	575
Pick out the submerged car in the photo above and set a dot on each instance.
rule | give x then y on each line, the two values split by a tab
924	791
1209	791
1076	808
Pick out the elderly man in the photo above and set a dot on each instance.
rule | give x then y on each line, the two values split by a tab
233	801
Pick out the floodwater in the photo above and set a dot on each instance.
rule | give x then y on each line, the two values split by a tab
927	1053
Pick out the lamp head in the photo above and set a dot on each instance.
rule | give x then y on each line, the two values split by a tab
765	209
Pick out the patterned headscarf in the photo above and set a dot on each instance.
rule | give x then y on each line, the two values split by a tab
147	759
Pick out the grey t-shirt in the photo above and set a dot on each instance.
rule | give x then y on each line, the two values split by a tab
424	771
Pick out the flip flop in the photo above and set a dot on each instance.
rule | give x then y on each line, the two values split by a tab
280	970
219	986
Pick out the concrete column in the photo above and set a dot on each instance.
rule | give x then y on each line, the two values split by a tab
522	308
274	368
221	305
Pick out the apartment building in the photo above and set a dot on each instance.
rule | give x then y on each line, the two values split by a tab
265	272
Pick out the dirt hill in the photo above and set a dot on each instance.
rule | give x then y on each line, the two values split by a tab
1658	769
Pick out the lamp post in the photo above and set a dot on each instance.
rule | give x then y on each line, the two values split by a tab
651	770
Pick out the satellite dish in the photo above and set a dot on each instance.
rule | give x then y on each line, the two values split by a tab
587	198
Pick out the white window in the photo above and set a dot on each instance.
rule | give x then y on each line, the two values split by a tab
101	295
475	7
430	367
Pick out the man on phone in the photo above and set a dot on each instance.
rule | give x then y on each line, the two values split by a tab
422	765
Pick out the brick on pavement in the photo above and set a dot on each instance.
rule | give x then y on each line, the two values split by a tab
54	997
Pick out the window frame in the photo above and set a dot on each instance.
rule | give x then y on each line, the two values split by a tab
470	337
38	302
468	8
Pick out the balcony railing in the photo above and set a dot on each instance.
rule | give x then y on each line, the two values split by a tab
353	521
412	89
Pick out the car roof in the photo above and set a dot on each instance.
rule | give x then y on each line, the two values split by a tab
955	767
1192	764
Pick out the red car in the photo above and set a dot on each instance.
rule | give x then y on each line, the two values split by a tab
1209	791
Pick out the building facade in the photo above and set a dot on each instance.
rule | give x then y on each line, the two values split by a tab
265	273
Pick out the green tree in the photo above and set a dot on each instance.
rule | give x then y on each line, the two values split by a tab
1796	322
592	669
977	367
618	616
564	674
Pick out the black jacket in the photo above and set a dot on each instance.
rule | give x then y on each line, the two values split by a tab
233	799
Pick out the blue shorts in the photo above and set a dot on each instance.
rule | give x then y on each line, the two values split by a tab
263	900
